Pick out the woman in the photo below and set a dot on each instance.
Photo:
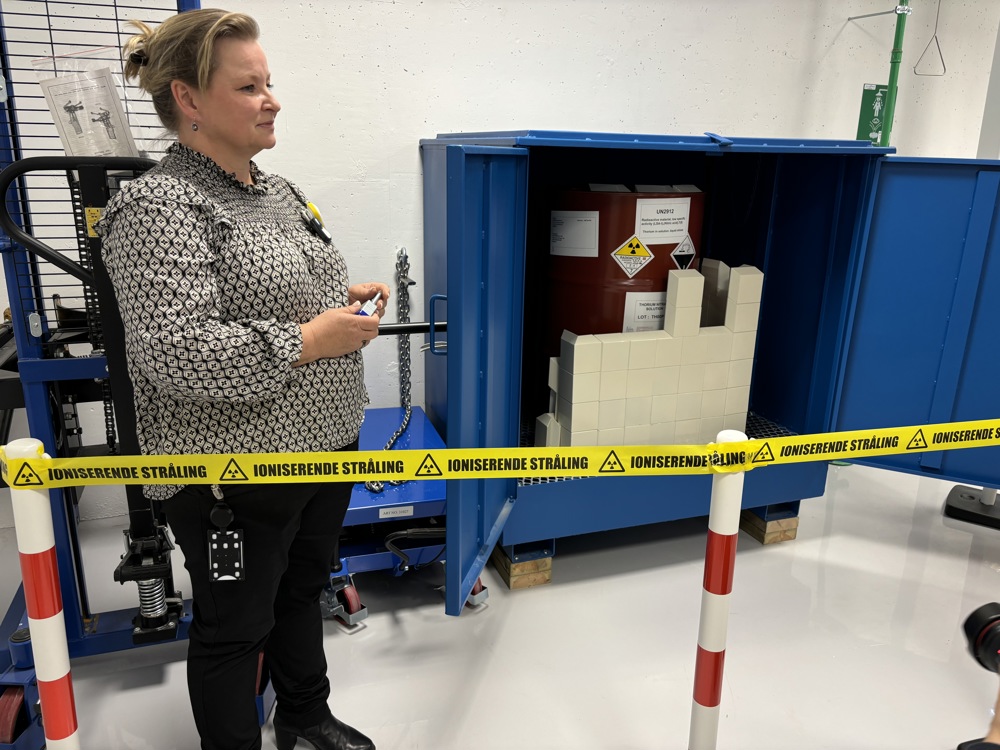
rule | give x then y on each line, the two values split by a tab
242	336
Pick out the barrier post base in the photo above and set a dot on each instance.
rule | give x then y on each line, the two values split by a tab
967	504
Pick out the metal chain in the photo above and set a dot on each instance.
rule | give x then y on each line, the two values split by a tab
403	284
92	307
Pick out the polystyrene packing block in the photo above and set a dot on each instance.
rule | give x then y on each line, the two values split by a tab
740	372
637	435
682	321
687	431
579	353
611	414
614	385
736	422
685	288
614	351
640	383
637	410
743	345
745	285
642	349
578	387
716	376
692	378
614	436
688	406
577	417
665	380
716	275
662	433
710	428
554	373
547	431
668	351
718	343
741	318
583	438
663	409
737	399
713	403
694	350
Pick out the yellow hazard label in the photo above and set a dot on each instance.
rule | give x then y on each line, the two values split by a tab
632	256
92	216
473	463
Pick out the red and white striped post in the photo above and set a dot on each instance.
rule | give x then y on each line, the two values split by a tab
40	574
720	558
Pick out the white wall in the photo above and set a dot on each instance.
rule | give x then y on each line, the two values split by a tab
361	82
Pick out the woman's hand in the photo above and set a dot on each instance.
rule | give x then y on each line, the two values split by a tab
336	332
364	292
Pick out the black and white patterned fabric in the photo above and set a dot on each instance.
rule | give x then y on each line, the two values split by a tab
213	278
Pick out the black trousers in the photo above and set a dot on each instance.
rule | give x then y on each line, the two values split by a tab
290	534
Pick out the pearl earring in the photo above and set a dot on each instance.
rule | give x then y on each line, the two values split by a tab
194	126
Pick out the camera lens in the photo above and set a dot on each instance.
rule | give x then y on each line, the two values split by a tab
982	630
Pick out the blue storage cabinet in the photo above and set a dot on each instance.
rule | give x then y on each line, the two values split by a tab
876	309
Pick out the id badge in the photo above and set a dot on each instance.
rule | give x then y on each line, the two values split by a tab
225	555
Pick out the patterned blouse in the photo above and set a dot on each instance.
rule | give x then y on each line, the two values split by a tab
213	278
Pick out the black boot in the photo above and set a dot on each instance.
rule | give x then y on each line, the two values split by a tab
329	734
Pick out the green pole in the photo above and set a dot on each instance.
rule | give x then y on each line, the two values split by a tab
902	11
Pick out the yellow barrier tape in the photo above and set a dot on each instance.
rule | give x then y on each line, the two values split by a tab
485	463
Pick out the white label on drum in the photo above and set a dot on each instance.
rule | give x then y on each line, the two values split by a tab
662	221
644	311
574	233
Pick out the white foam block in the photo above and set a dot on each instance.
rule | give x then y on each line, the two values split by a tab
688	406
584	437
718	343
692	379
737	400
640	383
710	428
554	373
614	351
637	435
577	417
665	380
663	409
637	410
685	288
642	349
578	387
611	414
713	403
743	345
746	284
716	376
740	372
736	422
694	350
662	433
579	353
742	317
547	431
614	384
668	351
614	436
687	431
682	321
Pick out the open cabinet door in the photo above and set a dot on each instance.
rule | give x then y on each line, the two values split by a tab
474	229
920	340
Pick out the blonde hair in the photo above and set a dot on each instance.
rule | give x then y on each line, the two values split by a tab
182	48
